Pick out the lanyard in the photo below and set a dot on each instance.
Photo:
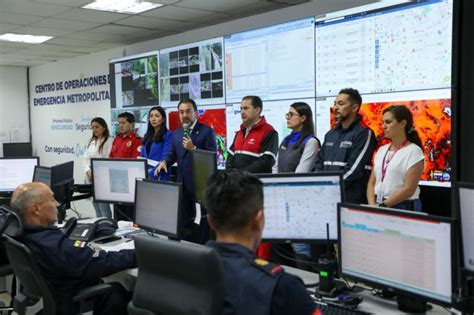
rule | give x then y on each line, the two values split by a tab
387	161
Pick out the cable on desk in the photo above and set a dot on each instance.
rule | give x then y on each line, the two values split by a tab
287	256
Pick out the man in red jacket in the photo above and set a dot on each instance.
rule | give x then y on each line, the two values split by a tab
126	145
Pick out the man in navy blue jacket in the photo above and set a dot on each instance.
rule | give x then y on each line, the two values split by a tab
67	265
192	135
349	146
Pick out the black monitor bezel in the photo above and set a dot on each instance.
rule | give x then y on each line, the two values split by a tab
115	202
29	144
19	158
180	197
458	213
43	168
213	155
318	174
409	214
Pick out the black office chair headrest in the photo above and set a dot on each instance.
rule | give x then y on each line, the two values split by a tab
10	222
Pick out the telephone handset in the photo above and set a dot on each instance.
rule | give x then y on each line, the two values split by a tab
88	231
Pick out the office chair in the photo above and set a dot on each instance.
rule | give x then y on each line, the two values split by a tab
36	294
176	278
5	269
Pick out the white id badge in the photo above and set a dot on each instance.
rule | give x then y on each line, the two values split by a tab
379	194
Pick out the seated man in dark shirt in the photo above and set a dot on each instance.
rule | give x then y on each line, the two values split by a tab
68	266
252	286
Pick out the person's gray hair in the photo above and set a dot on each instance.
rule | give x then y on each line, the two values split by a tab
24	198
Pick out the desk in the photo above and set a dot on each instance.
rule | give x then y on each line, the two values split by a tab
370	304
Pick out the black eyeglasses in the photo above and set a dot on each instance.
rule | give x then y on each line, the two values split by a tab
290	114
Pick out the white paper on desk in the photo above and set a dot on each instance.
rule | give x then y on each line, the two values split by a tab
117	247
197	219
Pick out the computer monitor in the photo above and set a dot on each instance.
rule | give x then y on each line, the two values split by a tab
157	206
16	171
113	180
19	149
298	206
62	172
465	201
407	251
42	174
204	166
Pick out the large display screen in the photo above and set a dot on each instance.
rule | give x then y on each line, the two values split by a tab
275	62
134	81
192	71
431	111
213	116
274	113
401	47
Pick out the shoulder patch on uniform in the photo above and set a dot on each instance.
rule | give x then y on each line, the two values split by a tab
269	267
79	244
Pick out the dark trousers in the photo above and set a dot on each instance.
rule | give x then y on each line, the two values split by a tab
113	303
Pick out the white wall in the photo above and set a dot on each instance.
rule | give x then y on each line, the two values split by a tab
14	117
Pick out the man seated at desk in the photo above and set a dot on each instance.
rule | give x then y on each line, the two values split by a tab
68	266
253	286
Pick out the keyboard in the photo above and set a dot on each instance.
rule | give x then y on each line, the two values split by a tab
335	309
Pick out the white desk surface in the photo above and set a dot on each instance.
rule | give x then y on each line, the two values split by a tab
371	303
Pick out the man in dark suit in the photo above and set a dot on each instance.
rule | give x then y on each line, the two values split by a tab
192	135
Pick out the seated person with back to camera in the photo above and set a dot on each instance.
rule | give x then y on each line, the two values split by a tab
67	265
234	200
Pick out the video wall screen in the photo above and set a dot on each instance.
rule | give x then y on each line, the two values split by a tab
274	112
431	111
192	71
134	81
393	52
213	116
379	48
275	62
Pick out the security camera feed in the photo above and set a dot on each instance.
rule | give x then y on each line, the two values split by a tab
192	71
135	82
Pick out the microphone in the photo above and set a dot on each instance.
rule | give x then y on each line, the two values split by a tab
186	130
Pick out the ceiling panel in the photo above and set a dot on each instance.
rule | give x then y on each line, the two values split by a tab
97	36
70	3
118	30
155	23
219	6
91	16
22	19
32	8
65	24
4	28
177	13
64	41
33	30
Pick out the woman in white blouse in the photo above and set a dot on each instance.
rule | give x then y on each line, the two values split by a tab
99	146
398	166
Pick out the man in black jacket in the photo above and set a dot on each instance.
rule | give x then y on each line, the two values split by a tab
67	265
349	146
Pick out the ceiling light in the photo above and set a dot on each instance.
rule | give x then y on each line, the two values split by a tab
24	38
122	6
